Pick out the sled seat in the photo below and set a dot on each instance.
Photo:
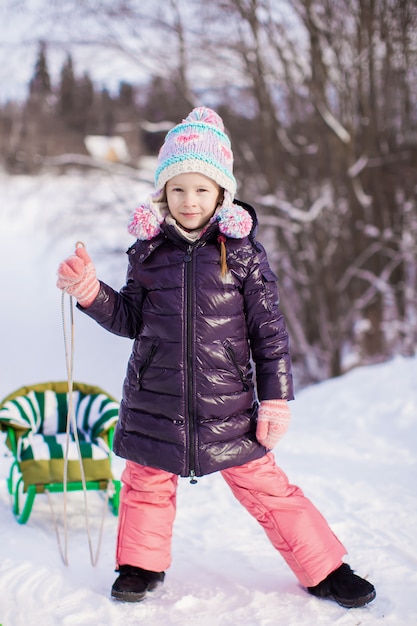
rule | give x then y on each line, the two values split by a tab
35	419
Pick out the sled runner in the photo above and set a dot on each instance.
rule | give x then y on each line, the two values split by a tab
35	419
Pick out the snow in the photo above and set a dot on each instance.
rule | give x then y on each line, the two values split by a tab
351	447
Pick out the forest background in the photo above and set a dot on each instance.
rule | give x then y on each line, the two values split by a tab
319	98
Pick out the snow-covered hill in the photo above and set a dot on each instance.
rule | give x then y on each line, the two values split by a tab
351	447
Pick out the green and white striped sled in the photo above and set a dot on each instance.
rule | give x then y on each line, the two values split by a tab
35	418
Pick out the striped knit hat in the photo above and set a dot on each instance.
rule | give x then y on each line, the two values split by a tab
199	145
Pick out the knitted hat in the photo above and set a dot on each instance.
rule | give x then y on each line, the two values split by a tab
199	145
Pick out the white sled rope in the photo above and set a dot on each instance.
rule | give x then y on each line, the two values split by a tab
71	421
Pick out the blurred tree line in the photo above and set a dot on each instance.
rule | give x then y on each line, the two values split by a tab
54	120
320	100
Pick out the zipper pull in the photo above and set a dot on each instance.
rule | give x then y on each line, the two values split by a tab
187	256
193	479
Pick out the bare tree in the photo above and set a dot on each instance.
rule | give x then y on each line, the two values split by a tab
336	168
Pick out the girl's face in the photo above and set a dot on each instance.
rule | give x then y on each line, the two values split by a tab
192	199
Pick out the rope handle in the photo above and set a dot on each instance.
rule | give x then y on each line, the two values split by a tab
71	420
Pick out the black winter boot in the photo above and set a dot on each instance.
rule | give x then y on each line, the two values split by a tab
348	589
133	583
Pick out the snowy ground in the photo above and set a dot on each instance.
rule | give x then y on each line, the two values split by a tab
351	447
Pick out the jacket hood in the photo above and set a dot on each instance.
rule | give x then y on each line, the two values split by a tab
234	219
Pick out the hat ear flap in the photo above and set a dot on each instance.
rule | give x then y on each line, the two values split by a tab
145	221
234	221
227	198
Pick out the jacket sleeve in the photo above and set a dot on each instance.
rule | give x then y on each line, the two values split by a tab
119	312
267	330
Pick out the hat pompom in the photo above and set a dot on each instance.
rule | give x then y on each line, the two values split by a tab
206	116
145	223
234	221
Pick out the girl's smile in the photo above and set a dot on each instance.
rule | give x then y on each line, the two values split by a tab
192	199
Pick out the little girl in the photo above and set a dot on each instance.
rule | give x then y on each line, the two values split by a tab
201	304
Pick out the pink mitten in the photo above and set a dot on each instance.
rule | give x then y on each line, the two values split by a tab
77	277
273	419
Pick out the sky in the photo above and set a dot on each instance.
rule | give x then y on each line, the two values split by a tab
24	23
134	48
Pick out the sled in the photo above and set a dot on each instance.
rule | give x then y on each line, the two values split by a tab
35	420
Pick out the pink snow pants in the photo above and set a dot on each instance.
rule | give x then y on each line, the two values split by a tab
292	523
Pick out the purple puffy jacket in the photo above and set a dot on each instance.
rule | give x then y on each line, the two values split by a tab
190	394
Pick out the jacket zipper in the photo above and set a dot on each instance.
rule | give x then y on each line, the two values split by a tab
146	364
233	358
189	260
